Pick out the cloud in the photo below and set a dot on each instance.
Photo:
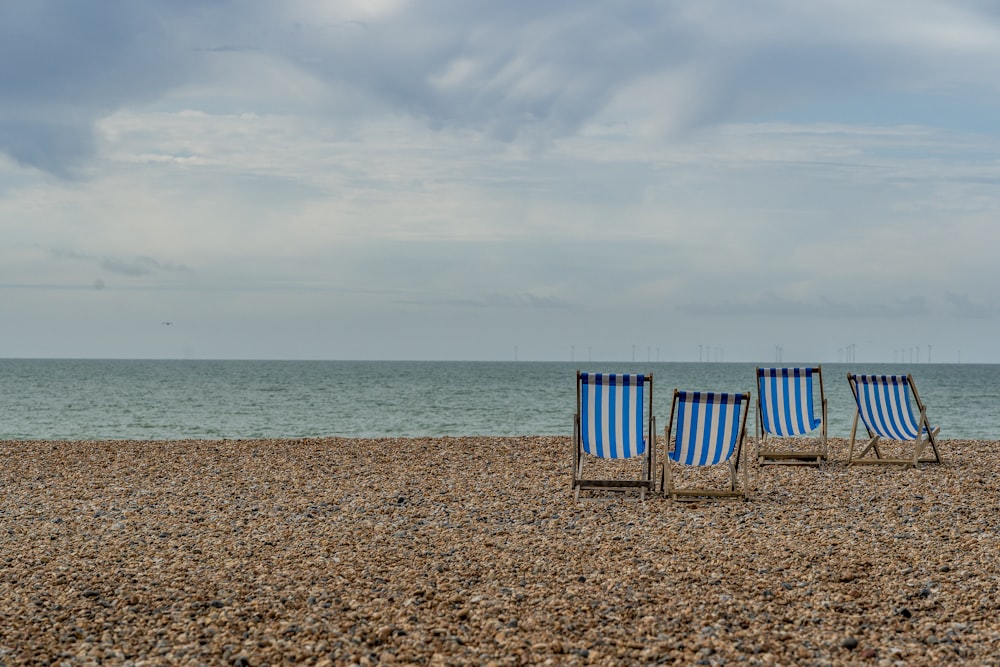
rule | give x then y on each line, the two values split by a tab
964	307
134	267
67	64
139	266
771	305
518	71
525	300
511	167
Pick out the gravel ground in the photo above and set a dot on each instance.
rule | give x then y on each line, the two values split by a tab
472	551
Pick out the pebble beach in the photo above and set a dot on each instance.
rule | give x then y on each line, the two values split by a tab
472	551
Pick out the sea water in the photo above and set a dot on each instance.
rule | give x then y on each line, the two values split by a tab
43	399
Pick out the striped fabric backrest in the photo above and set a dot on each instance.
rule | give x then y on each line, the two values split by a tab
708	425
786	400
611	414
884	405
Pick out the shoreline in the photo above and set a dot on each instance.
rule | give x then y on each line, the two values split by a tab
470	550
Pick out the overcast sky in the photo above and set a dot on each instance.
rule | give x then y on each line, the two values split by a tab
445	179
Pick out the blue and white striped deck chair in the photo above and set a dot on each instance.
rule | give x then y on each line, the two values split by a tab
884	406
786	412
609	425
711	429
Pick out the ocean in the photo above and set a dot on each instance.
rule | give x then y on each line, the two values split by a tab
66	399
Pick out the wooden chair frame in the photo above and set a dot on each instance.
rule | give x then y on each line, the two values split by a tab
645	482
772	456
926	435
735	462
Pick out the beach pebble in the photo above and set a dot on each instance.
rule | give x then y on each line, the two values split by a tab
334	551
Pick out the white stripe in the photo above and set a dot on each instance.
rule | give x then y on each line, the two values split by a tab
619	429
804	406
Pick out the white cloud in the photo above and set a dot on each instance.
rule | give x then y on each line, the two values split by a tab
464	176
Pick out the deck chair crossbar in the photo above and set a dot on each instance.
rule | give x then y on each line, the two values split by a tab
608	424
710	430
885	406
786	413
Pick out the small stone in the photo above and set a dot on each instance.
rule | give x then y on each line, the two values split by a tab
282	551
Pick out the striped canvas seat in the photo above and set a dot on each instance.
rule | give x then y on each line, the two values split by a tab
710	429
609	425
611	415
786	411
885	405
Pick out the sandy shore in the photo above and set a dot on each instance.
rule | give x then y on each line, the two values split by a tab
471	551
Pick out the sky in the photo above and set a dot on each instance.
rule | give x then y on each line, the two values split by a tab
741	180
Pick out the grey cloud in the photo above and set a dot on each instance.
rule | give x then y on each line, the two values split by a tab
61	252
964	307
64	65
139	266
524	300
512	70
59	146
771	305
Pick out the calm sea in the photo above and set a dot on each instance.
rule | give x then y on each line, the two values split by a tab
151	400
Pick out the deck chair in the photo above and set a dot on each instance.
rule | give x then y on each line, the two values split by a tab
786	412
884	407
608	424
711	429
